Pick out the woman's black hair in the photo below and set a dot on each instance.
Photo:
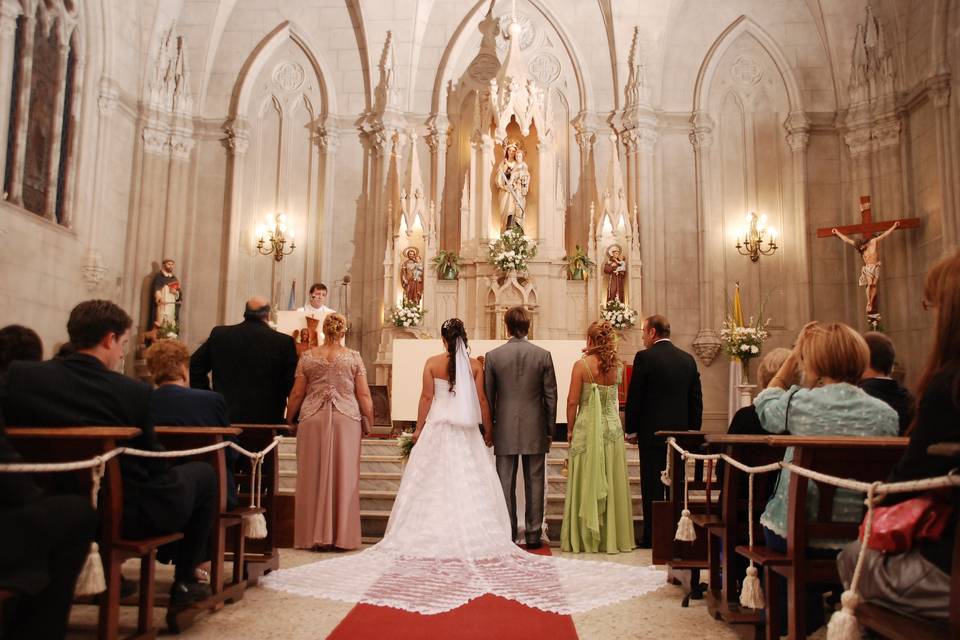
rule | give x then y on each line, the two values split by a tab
451	330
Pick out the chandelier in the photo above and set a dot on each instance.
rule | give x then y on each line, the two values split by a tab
272	237
750	240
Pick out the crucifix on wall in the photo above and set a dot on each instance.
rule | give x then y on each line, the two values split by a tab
869	247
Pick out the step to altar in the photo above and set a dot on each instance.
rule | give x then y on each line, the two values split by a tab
381	470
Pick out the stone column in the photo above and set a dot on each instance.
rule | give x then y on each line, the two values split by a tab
19	128
8	39
706	344
550	227
92	267
939	91
578	228
438	139
798	137
328	141
56	134
237	142
647	227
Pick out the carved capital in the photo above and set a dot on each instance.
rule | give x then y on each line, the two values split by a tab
107	99
858	140
797	125
798	140
8	20
155	140
238	139
181	145
886	134
328	139
938	88
701	136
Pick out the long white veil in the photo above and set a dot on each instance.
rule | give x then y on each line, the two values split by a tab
465	405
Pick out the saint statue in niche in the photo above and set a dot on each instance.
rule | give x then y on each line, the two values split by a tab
616	268
513	181
165	297
411	275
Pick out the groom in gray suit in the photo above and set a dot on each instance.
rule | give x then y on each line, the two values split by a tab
521	389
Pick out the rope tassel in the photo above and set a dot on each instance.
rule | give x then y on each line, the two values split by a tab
685	531
255	524
90	581
751	594
843	624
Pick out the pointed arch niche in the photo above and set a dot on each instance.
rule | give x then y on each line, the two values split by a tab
750	136
281	162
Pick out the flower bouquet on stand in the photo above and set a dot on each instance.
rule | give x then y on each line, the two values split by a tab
742	341
408	314
511	251
618	314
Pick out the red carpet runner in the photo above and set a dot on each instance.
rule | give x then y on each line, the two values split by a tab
485	617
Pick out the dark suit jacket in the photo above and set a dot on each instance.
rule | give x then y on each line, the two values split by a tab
664	393
521	388
253	367
77	390
894	395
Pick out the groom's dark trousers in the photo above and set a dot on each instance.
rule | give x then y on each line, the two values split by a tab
521	388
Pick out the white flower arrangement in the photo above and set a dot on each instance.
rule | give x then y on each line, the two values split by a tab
618	314
408	314
743	342
511	251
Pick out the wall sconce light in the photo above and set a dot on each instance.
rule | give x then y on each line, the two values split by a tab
750	241
272	237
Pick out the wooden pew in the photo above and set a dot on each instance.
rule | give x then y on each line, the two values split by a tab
897	626
677	555
261	556
723	535
856	458
64	444
181	437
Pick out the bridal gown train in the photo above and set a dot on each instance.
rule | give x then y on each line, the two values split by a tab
448	537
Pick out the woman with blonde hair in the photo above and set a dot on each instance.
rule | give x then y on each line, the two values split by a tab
831	359
331	396
597	512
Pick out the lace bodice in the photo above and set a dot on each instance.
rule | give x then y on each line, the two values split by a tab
331	381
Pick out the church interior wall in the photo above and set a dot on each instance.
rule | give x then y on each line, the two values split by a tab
125	192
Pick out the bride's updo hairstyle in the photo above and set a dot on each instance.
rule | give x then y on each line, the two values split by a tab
604	339
451	330
334	327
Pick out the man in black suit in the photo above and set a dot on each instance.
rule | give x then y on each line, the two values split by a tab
253	366
664	393
878	383
82	389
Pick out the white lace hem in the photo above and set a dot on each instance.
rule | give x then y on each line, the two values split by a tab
435	585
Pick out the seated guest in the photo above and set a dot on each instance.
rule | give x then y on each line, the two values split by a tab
83	389
745	420
877	381
831	359
917	582
44	540
176	404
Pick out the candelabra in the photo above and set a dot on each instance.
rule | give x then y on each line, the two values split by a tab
750	240
272	237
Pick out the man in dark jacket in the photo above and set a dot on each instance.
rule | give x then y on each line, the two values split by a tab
253	366
81	389
664	393
877	382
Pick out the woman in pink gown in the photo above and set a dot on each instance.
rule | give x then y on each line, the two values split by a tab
331	395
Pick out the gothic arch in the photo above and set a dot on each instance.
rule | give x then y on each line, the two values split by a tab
461	37
708	69
240	101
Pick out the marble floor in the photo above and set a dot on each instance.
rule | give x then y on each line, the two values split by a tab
264	613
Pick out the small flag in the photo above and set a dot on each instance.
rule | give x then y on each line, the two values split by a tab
737	306
292	302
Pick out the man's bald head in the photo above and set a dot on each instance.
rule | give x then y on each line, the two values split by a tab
258	308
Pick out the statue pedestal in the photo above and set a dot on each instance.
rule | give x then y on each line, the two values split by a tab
745	395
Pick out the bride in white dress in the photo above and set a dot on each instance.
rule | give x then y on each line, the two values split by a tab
448	537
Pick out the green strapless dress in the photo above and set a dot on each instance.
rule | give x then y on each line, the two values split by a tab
597	512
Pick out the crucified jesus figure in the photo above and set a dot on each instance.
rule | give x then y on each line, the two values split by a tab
869	248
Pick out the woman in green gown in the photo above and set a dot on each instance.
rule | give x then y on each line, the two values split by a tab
597	512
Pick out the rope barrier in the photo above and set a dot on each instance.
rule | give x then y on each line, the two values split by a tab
843	624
